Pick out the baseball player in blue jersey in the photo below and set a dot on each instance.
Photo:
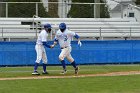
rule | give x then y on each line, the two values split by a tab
40	49
63	37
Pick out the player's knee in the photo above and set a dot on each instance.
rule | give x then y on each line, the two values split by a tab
70	59
44	62
38	60
61	58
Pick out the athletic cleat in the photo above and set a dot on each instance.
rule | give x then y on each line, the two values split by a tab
35	73
64	72
45	72
76	70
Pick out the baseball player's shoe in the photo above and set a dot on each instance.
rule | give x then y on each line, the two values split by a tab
64	72
76	70
35	73
45	72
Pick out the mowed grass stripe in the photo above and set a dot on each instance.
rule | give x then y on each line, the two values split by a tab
117	84
55	70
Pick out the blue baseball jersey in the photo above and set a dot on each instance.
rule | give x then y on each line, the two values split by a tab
64	38
42	37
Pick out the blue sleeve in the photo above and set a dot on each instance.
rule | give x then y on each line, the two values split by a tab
45	44
55	40
76	36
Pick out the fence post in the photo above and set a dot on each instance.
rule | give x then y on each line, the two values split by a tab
6	9
2	32
97	9
121	11
130	34
94	11
33	26
36	9
65	9
100	33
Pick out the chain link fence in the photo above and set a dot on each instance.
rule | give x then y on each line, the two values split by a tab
38	10
65	10
53	10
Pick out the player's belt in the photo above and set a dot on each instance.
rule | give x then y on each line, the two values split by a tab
63	47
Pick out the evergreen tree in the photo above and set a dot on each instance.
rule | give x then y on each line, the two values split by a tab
138	2
86	11
25	9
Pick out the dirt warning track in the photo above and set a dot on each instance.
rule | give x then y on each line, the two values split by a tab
75	76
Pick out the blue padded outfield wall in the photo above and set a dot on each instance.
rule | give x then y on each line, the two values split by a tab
91	52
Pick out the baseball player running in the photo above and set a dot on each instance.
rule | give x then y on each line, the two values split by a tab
40	50
64	37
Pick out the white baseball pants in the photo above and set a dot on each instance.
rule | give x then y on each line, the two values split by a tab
66	53
41	54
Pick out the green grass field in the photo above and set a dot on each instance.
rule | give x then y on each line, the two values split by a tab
98	84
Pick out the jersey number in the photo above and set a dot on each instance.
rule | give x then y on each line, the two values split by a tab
66	38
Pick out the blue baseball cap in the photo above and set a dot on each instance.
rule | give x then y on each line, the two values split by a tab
47	26
62	26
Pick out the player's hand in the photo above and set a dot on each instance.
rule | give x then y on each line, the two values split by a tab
79	43
52	46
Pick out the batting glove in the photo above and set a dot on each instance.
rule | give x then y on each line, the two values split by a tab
79	43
